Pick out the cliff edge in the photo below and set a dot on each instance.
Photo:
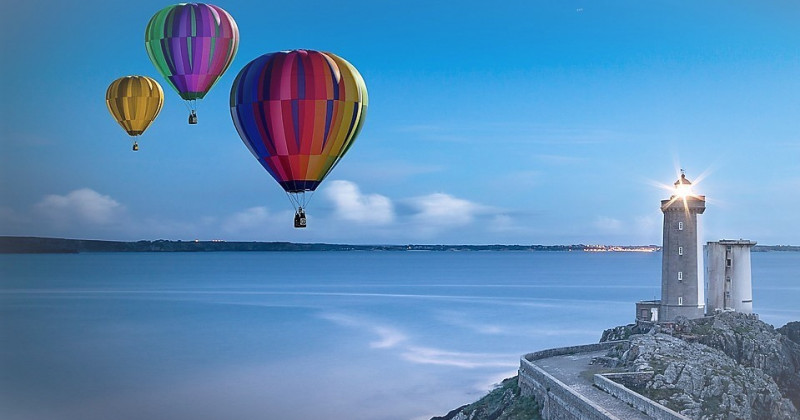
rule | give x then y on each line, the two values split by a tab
731	365
503	403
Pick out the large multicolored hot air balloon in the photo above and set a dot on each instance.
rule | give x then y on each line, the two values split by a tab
134	101
192	44
298	112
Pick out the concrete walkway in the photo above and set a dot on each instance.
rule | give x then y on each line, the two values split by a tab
570	369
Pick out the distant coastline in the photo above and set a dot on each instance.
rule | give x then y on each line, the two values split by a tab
38	245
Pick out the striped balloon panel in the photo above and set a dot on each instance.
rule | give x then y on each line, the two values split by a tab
191	45
298	112
134	101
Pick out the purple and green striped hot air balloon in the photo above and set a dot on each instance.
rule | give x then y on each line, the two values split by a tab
192	44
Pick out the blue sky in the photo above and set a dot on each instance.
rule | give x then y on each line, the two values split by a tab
525	122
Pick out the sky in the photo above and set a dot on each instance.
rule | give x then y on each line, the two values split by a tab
515	122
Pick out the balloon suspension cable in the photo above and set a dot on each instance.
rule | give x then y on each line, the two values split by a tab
297	199
300	199
309	197
292	201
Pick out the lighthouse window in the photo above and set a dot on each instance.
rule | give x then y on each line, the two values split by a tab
680	225
729	262
680	275
680	250
680	300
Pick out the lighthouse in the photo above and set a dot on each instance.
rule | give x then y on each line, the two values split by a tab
682	254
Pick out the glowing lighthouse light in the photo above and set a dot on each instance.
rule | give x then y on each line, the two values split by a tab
683	188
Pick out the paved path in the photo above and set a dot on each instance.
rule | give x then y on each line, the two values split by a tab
569	368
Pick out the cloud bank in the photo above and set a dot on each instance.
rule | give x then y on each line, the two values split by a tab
344	214
84	206
350	204
440	209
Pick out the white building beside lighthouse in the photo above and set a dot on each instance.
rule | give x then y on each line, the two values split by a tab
729	276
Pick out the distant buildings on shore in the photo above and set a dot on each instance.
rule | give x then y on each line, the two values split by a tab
618	248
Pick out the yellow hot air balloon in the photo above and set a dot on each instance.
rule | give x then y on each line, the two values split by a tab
134	101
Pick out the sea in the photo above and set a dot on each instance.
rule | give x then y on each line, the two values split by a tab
309	335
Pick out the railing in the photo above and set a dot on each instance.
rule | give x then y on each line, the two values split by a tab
638	401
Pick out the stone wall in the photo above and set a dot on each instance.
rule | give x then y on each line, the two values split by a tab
649	407
558	401
543	354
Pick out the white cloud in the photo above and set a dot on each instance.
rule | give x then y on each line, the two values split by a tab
440	209
84	206
351	204
251	218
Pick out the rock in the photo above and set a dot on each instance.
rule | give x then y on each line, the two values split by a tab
753	343
729	366
704	383
791	331
623	332
503	403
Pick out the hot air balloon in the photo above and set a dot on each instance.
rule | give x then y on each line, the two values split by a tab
134	101
191	45
298	112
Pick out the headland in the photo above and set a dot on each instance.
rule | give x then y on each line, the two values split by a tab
727	366
39	245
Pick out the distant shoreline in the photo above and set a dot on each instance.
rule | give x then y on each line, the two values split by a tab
38	245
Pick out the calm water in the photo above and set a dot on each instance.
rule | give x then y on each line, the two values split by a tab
336	335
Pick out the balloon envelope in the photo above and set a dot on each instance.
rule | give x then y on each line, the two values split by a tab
298	112
134	101
191	45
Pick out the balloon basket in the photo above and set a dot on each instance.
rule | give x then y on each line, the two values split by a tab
192	118
300	219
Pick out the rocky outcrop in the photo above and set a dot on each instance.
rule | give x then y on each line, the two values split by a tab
701	382
755	344
730	366
503	403
791	331
623	332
